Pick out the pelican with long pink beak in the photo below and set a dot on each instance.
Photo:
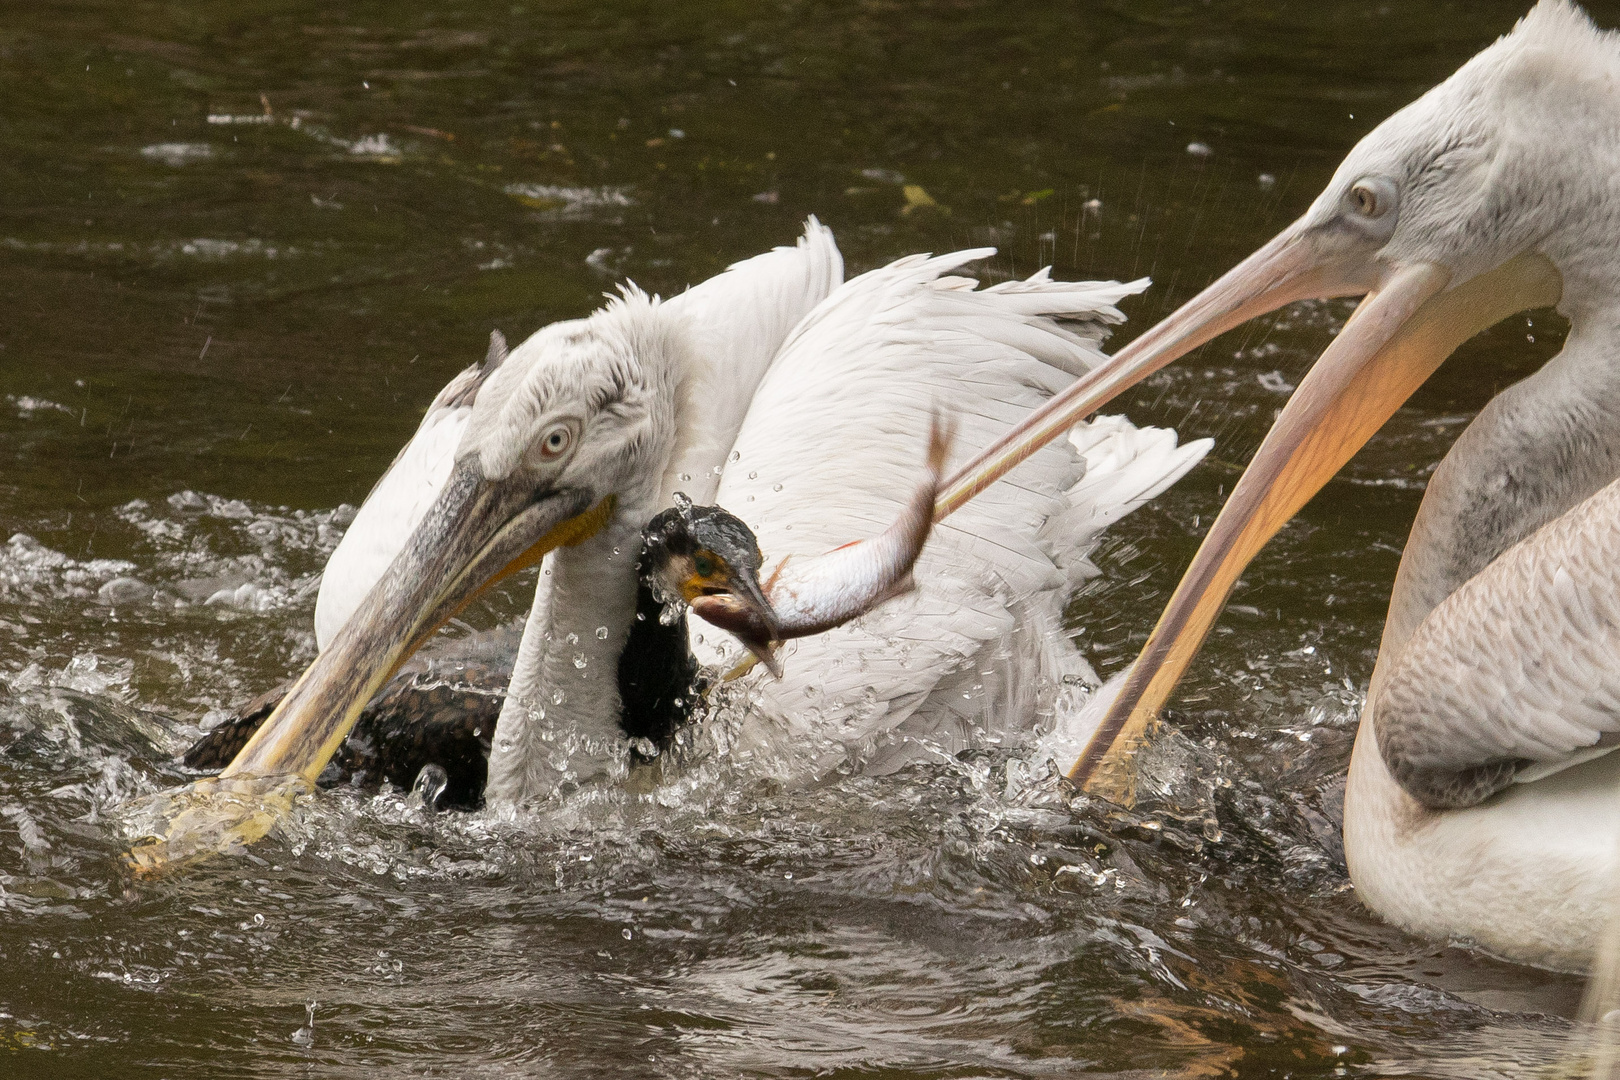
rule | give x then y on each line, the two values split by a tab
1482	801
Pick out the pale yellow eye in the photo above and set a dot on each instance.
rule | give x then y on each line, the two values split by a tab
1365	199
556	442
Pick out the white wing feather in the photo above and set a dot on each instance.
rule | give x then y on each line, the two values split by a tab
1519	667
734	322
396	505
834	444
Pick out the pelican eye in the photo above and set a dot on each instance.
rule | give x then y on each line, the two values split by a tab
555	442
1371	198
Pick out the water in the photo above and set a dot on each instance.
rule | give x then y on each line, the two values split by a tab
243	244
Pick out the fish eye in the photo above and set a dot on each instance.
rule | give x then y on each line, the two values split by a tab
555	442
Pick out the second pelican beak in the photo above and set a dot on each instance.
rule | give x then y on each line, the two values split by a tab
478	532
1394	341
1298	264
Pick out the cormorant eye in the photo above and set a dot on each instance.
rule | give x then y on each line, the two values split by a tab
555	443
703	565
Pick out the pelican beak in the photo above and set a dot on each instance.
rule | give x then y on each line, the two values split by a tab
1406	326
1300	263
478	532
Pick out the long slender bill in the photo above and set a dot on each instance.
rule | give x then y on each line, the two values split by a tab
1290	267
1397	337
478	532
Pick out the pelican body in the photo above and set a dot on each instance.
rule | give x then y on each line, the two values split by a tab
800	405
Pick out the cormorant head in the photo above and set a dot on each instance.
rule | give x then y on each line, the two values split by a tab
706	557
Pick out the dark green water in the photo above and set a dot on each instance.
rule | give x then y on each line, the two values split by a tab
241	245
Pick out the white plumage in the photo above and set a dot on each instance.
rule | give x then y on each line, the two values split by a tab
1473	807
831	450
805	414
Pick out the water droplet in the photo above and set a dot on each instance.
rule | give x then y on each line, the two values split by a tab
572	639
753	476
430	783
686	477
580	662
750	498
776	487
736	455
626	934
557	697
305	1036
258	919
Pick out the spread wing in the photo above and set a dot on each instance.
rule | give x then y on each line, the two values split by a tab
1516	675
834	443
735	323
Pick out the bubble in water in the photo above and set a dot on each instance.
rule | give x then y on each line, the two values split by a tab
601	633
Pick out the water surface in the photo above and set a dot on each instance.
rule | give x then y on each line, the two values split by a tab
242	245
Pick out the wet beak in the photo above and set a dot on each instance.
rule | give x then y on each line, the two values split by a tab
478	532
1406	326
744	613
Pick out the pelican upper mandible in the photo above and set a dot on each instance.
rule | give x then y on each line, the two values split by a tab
1479	803
576	439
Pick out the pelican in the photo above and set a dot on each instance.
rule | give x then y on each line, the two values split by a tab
811	434
1481	802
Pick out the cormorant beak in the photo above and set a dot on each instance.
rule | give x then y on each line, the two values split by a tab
745	613
1404	328
478	532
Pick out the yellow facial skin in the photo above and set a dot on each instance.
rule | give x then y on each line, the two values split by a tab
706	573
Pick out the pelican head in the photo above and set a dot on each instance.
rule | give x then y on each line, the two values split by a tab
1480	199
572	428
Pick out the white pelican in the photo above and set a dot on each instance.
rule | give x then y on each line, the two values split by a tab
573	441
1480	804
